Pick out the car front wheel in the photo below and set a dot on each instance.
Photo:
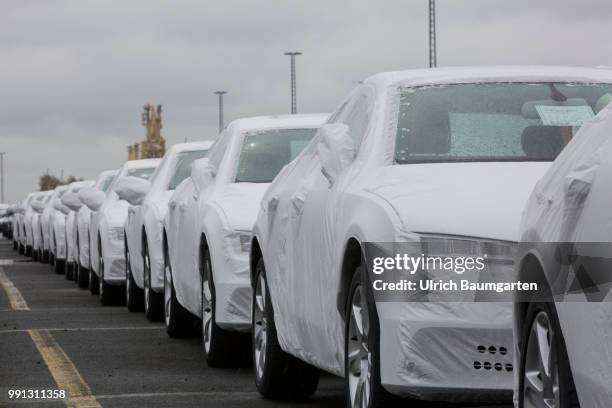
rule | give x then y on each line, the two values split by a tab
278	375
134	297
362	349
153	301
545	376
179	322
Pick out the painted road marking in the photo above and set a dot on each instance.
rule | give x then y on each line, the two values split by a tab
17	301
4	262
84	329
65	374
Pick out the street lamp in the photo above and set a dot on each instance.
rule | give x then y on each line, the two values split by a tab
2	176
221	124
293	54
432	34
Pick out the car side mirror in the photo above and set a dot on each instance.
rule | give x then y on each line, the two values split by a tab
38	206
132	189
57	204
71	200
92	197
335	149
202	173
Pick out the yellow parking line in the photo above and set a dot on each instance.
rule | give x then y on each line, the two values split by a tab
65	374
17	301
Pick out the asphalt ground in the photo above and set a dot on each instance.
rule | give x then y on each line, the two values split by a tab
55	336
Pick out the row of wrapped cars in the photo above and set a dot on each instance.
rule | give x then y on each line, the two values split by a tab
258	239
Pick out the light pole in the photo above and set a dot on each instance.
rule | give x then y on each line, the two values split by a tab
432	34
221	124
293	54
2	176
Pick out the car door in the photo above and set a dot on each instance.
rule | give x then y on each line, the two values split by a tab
314	226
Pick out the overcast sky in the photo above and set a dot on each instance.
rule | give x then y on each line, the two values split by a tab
75	74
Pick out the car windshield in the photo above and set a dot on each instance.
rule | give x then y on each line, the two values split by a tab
265	152
106	182
143	172
492	122
183	166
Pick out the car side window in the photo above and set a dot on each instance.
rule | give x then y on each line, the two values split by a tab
357	119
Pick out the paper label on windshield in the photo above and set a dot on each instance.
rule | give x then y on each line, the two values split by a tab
564	115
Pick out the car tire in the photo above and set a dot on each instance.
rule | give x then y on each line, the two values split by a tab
178	321
153	301
45	256
82	276
60	266
542	330
222	348
134	296
28	250
35	255
68	270
362	348
278	375
21	249
110	295
15	246
94	284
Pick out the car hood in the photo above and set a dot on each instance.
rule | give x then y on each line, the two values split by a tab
483	200
240	203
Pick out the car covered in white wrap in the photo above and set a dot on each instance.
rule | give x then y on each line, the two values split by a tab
37	241
59	221
71	200
563	338
83	217
144	251
441	159
208	228
46	224
107	249
28	216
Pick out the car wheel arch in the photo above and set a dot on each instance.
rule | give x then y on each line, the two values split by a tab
352	257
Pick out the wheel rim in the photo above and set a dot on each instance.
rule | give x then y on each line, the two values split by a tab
260	326
359	355
167	291
207	314
128	276
541	377
146	279
101	280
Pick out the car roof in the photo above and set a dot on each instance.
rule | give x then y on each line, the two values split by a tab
278	121
450	75
190	146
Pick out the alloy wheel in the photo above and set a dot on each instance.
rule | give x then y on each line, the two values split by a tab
167	291
128	276
541	377
207	315
359	355
147	277
260	327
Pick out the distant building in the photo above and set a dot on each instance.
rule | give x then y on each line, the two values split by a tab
154	145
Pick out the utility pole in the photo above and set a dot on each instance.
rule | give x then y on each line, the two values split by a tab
292	55
221	124
2	176
432	34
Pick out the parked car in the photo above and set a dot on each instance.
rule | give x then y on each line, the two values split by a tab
17	225
72	201
29	212
107	251
60	219
444	159
46	224
144	282
562	335
83	217
6	220
208	229
37	241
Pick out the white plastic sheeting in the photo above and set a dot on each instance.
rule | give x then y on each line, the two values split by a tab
71	200
132	189
108	223
87	195
571	203
212	204
150	205
47	216
305	223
